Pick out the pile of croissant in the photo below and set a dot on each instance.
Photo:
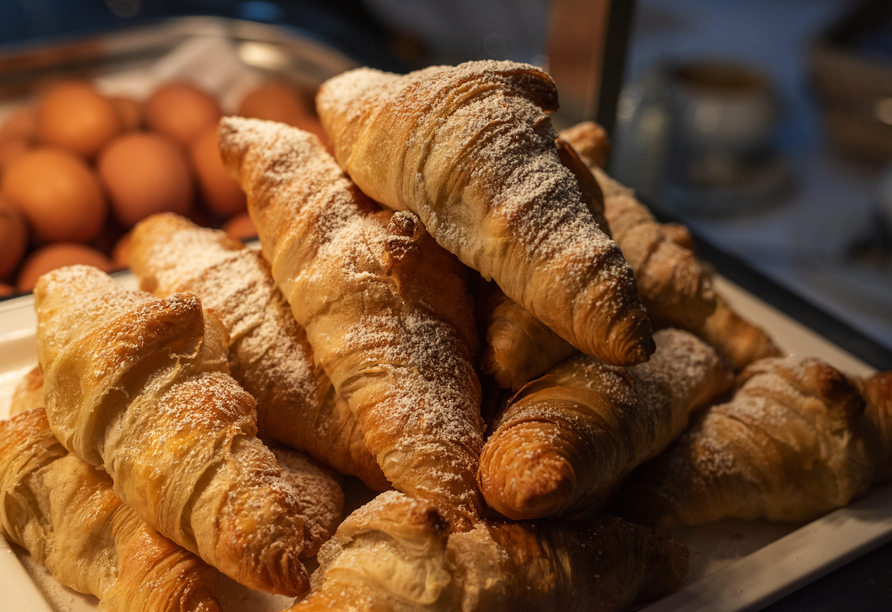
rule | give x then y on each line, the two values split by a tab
534	378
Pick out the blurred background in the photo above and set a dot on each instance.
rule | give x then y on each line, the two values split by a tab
763	125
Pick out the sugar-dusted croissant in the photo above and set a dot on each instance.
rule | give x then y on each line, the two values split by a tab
386	310
64	513
396	554
318	491
471	150
791	445
269	354
519	347
676	288
567	439
139	386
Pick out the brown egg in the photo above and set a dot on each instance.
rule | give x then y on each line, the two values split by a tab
221	192
276	102
59	255
13	238
59	193
74	116
129	112
20	124
11	149
240	226
182	111
146	173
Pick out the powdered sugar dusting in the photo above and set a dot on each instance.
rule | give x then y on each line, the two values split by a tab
684	370
471	150
781	449
319	494
174	431
430	372
86	293
396	361
268	352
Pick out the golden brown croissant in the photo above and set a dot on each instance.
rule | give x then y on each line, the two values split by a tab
676	288
471	150
567	439
139	386
386	310
64	513
269	354
319	494
735	337
318	489
790	446
518	347
396	554
876	390
590	141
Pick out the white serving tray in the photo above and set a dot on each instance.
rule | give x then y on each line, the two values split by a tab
735	565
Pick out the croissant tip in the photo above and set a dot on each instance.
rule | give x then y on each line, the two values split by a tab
637	352
542	491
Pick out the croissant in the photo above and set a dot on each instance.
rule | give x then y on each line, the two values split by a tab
139	386
269	354
791	445
397	554
674	285
386	310
319	494
567	439
28	393
738	339
876	390
64	513
590	141
470	149
519	347
318	489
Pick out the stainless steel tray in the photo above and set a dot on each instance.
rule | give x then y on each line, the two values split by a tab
268	50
